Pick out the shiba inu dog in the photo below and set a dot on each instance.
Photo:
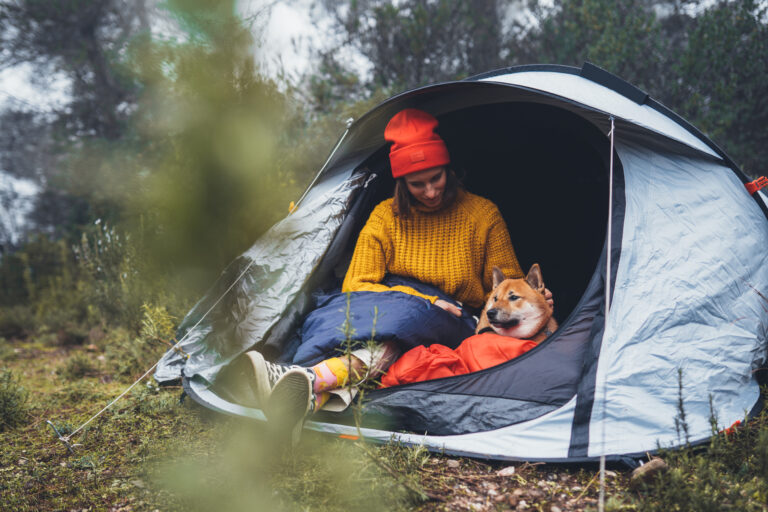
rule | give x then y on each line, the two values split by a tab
517	307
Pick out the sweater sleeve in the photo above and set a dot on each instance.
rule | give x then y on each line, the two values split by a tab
499	252
369	260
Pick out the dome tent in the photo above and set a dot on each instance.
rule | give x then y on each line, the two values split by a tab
688	273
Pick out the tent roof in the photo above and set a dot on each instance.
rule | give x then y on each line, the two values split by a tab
598	89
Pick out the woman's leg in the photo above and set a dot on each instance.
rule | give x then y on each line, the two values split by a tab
302	391
358	366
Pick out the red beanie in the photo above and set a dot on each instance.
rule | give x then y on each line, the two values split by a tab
415	146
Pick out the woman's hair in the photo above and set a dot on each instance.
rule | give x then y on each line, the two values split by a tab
403	200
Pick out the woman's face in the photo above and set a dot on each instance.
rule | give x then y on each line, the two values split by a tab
427	186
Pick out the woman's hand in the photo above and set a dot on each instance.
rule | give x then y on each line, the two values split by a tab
450	307
548	297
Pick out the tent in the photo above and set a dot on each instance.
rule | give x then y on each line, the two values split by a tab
685	268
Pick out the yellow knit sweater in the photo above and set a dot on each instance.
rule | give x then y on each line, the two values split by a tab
453	248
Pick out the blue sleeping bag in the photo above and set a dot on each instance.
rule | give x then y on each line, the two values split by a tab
407	319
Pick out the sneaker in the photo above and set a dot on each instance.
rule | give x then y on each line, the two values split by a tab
261	376
290	402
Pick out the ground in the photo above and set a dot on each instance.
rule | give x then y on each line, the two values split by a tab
152	451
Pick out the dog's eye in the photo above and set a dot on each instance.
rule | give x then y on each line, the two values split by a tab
512	296
495	298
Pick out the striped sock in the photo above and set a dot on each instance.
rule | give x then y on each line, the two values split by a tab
331	374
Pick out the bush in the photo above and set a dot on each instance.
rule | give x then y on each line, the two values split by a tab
13	401
16	322
78	366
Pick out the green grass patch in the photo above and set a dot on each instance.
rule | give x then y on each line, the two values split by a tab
153	452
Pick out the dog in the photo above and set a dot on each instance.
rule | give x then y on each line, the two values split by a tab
517	307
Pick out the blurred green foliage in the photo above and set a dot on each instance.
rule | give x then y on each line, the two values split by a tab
204	155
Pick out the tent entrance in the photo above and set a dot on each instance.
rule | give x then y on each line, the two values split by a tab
547	171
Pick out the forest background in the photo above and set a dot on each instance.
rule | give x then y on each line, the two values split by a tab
172	150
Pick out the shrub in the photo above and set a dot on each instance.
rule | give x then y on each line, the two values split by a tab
78	366
13	401
16	321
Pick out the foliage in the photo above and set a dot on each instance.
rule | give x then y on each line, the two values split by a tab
78	366
409	43
729	473
725	69
622	37
13	401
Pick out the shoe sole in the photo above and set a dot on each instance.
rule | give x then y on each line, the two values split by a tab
289	404
260	381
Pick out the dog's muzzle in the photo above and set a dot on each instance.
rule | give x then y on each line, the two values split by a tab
494	318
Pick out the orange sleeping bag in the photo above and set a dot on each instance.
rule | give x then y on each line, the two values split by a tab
435	361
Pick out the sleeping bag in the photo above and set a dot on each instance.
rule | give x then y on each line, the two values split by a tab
476	353
407	319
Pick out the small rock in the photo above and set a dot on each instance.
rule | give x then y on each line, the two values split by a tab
647	471
63	464
535	493
542	484
452	463
577	488
507	471
555	508
138	483
552	476
22	462
522	505
518	492
611	474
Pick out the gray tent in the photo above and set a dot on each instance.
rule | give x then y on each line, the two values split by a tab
687	275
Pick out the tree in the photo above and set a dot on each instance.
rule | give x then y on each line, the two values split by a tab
622	37
723	85
81	42
414	42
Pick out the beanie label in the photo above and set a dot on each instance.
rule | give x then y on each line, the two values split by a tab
418	156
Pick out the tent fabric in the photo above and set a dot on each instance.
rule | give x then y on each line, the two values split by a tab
267	279
688	315
685	304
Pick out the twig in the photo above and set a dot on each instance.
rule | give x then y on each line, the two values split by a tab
587	487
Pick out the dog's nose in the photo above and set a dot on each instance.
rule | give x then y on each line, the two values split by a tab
491	313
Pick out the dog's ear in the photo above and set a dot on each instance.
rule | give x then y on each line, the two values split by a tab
534	278
498	276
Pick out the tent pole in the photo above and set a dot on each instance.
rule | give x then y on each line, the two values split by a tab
327	160
601	501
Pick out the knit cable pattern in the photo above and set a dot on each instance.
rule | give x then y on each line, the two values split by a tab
454	249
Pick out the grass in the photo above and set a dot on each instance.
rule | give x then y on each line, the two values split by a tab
153	452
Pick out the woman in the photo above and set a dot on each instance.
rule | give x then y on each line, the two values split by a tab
432	231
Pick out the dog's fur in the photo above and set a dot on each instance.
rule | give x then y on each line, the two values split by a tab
517	307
